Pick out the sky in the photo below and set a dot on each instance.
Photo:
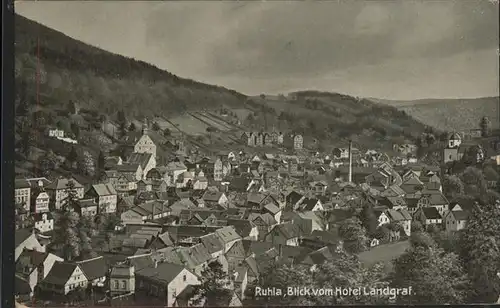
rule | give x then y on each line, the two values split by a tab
397	49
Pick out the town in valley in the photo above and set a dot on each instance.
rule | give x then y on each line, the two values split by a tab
209	197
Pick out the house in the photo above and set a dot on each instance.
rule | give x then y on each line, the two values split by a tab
164	280
133	170
55	132
264	223
34	266
39	200
401	217
145	144
318	188
248	138
95	270
259	139
105	195
173	170
284	234
228	236
111	162
147	161
310	205
340	153
298	142
63	278
215	198
434	199
58	191
25	239
125	184
88	207
213	244
381	215
44	222
245	228
22	193
122	279
428	216
456	220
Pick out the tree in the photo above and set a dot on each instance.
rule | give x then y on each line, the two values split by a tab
480	252
452	186
86	164
47	163
436	277
214	287
485	126
474	182
67	236
354	235
156	127
72	157
101	162
167	132
416	226
346	270
75	129
131	127
368	219
71	107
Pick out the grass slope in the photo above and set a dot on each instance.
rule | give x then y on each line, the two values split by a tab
450	114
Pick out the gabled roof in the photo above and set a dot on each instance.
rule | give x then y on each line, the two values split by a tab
163	273
36	258
176	165
104	189
308	204
213	196
21	184
436	198
141	159
242	226
267	218
460	215
127	167
62	183
21	235
227	234
212	243
272	208
431	213
60	273
288	230
94	268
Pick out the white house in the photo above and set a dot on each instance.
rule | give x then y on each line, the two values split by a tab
456	220
165	280
63	278
105	195
44	222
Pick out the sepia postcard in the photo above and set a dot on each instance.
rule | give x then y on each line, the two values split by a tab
255	153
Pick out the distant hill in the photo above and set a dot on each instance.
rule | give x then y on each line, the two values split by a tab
101	84
450	114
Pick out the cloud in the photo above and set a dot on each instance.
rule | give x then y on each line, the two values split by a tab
255	47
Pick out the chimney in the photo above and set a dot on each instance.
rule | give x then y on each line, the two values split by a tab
350	161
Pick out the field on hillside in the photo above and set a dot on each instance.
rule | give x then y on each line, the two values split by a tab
454	114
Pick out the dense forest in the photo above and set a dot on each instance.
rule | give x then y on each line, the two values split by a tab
93	78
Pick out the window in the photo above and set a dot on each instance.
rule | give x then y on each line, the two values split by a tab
117	285
184	278
124	284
